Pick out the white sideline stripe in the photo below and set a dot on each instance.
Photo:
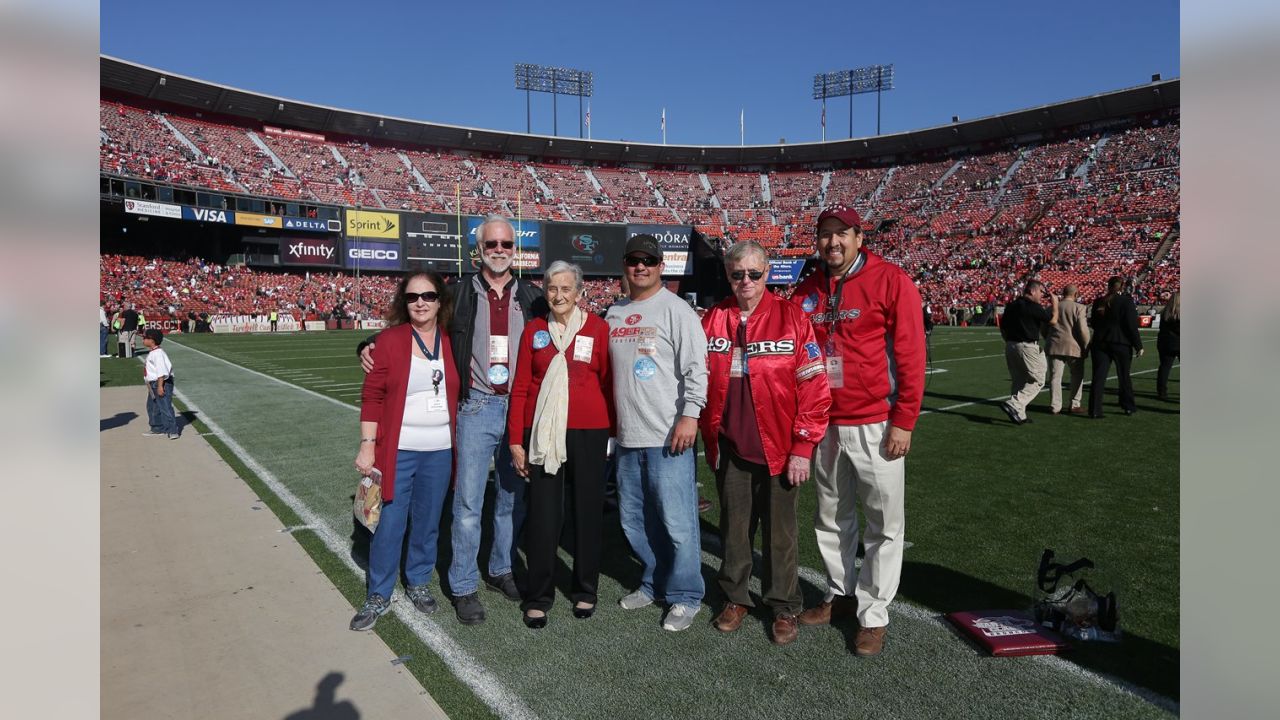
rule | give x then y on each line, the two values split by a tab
487	687
975	357
1005	397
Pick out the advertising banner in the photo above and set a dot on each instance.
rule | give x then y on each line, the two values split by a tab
596	248
784	272
311	224
284	132
372	255
431	243
144	207
363	223
309	251
208	215
528	242
256	220
674	240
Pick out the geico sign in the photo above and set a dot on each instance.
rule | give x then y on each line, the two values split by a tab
368	254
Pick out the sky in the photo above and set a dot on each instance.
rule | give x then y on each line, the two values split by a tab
704	62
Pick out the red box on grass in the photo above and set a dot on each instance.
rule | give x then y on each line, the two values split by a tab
1008	633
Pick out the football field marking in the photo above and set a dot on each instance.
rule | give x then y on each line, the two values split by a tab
1006	397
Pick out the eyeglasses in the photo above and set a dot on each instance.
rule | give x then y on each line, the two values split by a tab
429	296
506	244
645	260
738	275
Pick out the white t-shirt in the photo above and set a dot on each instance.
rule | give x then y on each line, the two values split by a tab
426	408
158	365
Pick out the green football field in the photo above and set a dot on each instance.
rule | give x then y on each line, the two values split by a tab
984	499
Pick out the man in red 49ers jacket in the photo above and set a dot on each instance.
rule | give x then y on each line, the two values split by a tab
766	408
866	317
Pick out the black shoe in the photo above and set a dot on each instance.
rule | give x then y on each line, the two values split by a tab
1013	415
1027	421
1130	412
421	597
583	613
1095	416
535	623
468	609
505	584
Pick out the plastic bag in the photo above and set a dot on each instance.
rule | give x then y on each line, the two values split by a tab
368	502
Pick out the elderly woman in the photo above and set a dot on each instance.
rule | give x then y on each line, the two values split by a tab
767	402
407	420
562	411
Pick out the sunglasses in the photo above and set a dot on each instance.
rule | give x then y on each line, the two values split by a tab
645	260
429	296
506	244
738	275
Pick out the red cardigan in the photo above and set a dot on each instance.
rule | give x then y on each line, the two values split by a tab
590	383
385	389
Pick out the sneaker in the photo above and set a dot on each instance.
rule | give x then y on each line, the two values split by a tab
174	436
468	609
374	607
635	601
152	433
420	595
105	356
504	583
679	617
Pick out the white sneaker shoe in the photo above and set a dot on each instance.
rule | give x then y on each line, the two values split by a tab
679	617
635	601
152	434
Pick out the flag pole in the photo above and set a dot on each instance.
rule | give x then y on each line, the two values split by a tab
519	234
457	207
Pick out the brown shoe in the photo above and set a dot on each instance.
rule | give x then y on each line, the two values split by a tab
785	629
730	618
870	641
1078	411
840	607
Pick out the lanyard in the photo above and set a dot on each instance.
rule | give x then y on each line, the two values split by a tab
833	303
436	374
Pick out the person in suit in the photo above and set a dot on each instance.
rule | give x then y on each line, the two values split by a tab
1167	343
1067	345
1115	340
408	413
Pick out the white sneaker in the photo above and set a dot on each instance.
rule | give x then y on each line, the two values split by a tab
679	617
174	436
635	601
102	356
152	434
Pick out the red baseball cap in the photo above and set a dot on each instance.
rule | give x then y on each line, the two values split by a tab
846	215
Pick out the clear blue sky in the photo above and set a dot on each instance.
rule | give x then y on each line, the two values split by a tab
453	62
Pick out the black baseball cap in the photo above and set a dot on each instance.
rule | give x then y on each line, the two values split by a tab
646	244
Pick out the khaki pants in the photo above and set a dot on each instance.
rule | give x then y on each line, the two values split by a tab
849	469
1057	364
1026	374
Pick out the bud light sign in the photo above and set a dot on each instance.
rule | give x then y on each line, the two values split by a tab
370	255
528	240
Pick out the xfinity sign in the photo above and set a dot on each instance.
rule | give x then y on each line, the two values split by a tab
308	251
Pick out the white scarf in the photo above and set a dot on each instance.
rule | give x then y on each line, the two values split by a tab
551	418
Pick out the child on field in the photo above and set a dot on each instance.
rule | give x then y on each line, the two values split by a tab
158	373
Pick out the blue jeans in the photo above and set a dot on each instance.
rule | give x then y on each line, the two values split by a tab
658	505
482	436
160	413
422	480
102	339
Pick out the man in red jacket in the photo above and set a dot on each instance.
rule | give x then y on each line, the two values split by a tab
767	402
866	318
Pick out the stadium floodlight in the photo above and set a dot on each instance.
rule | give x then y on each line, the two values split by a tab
872	78
557	81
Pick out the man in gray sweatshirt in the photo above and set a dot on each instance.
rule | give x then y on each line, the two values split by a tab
658	352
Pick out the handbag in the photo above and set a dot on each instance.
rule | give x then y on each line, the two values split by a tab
368	500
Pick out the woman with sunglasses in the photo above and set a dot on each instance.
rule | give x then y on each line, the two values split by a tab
767	402
407	421
559	424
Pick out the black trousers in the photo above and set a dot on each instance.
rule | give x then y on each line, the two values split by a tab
579	484
1162	375
1102	356
748	490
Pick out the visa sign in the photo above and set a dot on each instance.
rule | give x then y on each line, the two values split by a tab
208	215
369	255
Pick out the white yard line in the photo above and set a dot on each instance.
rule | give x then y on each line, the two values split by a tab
975	357
1005	397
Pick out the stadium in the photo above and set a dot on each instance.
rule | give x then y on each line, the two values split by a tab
221	206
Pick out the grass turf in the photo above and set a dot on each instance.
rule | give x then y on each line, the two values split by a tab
984	498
